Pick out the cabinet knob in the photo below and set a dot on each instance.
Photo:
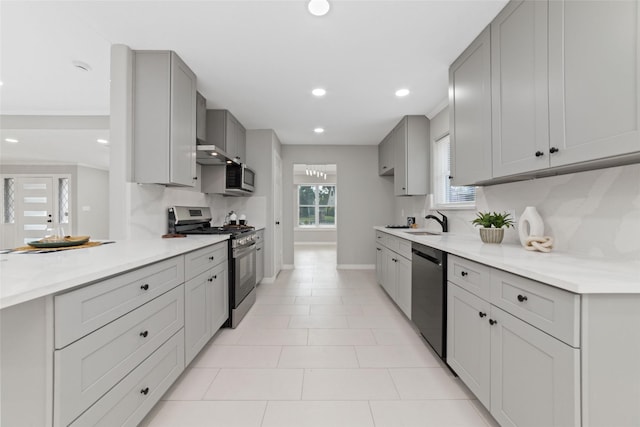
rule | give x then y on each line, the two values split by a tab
384	167
539	154
450	176
378	249
522	298
403	188
553	150
145	287
481	314
492	322
277	222
210	279
211	258
145	391
259	249
144	334
464	273
195	178
215	276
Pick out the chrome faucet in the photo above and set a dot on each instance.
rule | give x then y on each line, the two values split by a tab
443	222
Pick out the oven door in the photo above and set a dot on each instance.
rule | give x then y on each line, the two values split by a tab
244	260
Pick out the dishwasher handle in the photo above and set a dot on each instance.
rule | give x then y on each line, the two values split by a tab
427	257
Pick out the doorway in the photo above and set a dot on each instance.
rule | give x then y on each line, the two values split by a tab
315	190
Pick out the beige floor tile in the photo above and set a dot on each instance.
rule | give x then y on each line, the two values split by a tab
240	356
341	337
273	337
318	322
206	414
377	322
397	337
396	356
426	413
276	299
256	384
332	310
336	300
318	357
283	291
348	384
317	414
192	384
428	383
275	309
274	321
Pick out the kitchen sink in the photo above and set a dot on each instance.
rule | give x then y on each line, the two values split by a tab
422	233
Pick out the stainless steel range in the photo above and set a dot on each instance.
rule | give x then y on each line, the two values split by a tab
242	255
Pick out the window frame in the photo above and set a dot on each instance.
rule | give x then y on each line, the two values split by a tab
437	181
317	206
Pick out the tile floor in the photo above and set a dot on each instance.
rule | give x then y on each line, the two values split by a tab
321	347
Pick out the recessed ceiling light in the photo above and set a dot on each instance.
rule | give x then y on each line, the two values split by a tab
318	7
11	140
102	141
81	65
1	83
318	130
319	92
402	92
214	154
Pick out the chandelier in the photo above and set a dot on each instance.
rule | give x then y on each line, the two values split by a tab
316	170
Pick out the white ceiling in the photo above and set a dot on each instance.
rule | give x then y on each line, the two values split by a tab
259	59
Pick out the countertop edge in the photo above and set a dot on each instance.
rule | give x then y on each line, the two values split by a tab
581	275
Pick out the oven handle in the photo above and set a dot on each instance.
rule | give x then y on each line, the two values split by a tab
238	252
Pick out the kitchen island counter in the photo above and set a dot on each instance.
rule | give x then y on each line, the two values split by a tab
25	277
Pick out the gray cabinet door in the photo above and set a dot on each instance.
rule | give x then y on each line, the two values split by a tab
197	327
386	156
535	378
519	86
403	280
470	112
594	79
380	266
236	138
218	297
201	118
468	341
259	263
399	141
164	119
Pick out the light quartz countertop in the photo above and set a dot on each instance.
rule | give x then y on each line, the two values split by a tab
27	276
582	275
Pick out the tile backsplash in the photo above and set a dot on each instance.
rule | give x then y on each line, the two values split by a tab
595	213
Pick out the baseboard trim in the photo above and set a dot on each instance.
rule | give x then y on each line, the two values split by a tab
356	266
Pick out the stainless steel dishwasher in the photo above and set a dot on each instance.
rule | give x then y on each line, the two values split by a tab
429	295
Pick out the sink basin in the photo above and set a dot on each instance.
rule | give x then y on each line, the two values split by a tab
422	233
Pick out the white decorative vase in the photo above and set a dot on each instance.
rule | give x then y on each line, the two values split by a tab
530	224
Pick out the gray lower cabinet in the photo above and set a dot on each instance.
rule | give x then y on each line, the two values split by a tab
164	119
470	112
393	269
206	296
259	256
523	371
535	378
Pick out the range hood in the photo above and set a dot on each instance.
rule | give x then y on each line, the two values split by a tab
212	155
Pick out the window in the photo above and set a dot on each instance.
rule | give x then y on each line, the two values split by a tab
317	206
446	195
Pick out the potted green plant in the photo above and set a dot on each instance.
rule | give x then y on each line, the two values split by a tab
493	225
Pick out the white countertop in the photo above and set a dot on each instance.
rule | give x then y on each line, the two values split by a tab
581	275
27	276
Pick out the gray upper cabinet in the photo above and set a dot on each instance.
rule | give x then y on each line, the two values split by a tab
386	156
470	112
520	128
164	119
594	79
201	118
227	133
410	139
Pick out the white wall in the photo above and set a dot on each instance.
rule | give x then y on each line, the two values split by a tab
364	198
594	213
92	203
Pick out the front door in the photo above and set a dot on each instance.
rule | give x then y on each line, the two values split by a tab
34	208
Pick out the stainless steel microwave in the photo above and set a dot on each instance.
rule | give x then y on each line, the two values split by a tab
240	179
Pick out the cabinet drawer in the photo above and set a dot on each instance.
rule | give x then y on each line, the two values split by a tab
127	403
88	368
381	238
404	248
197	262
553	310
393	243
469	275
80	312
